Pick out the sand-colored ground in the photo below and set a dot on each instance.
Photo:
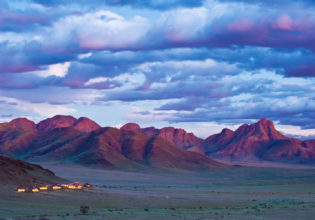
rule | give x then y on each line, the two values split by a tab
241	193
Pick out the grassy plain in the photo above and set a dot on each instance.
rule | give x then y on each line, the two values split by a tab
239	193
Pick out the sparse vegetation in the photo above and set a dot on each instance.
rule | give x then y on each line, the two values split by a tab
249	193
84	209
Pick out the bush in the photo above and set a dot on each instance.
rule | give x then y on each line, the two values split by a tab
84	209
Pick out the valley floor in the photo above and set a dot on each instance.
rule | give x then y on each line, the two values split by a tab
239	193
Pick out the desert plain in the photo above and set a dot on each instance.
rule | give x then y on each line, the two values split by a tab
237	193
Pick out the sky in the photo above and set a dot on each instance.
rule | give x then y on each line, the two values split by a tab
200	65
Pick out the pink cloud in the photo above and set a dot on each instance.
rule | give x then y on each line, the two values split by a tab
284	22
146	85
91	44
74	83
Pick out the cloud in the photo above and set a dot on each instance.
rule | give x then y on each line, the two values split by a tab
213	26
157	4
170	71
82	75
153	4
226	61
288	111
26	81
272	3
54	95
184	24
18	22
247	99
27	56
296	62
228	99
32	109
198	86
59	70
102	30
164	91
120	82
22	17
147	116
217	25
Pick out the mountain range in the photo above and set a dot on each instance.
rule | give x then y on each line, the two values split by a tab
258	142
65	139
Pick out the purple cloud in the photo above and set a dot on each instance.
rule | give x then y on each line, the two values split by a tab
103	30
225	61
17	21
153	4
25	57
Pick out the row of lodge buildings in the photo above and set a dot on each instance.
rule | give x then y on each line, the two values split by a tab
42	188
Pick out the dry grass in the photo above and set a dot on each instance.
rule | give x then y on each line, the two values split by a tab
244	193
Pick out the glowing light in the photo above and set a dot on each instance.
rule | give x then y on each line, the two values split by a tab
56	187
43	188
21	190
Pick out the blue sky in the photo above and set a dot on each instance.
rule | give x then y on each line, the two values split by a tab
200	65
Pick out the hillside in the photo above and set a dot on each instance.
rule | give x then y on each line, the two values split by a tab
257	142
177	136
61	140
20	173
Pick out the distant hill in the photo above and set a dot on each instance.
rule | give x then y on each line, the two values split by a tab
59	121
20	173
61	139
177	136
257	142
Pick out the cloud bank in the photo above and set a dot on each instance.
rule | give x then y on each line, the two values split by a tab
224	61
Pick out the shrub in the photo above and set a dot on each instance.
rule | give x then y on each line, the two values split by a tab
84	209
